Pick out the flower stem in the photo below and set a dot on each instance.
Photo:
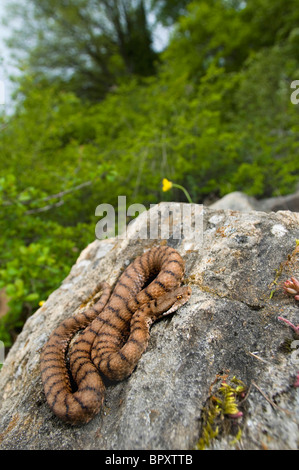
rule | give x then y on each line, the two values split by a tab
184	190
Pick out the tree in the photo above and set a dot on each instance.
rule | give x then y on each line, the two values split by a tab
168	11
87	45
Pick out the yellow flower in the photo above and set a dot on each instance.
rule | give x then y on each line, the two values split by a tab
41	303
166	184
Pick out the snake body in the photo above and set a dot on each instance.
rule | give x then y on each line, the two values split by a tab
115	334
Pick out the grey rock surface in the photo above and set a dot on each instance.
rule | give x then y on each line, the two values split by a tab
230	325
236	201
242	202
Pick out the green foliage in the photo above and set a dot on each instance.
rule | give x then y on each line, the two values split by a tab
216	118
168	11
221	414
35	255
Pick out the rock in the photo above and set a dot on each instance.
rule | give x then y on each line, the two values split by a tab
242	202
234	260
289	202
236	201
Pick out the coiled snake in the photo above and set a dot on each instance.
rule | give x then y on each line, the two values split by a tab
116	333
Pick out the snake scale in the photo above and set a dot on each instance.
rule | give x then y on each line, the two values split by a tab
115	333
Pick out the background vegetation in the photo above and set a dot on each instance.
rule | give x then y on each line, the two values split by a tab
100	113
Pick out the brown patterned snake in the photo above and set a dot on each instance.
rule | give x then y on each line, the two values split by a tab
115	336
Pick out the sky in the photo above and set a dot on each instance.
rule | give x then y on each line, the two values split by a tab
6	67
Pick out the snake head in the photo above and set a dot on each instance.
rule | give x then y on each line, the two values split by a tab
171	301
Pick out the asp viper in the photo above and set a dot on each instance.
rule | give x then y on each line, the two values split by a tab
115	334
